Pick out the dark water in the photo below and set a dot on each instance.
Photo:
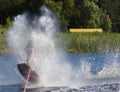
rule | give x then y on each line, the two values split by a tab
11	80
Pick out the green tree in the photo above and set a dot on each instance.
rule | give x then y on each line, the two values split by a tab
33	5
106	24
72	13
112	8
63	9
10	8
90	14
4	5
56	6
67	12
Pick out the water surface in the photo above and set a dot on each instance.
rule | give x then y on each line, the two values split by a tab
12	81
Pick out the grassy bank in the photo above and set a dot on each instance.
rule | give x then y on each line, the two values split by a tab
95	43
3	46
3	42
5	51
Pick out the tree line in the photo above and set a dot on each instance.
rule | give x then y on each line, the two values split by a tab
103	14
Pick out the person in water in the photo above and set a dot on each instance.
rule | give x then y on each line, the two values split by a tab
25	68
29	51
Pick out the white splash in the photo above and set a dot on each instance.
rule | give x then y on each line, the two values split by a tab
46	59
111	70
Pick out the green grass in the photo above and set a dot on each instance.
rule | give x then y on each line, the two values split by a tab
3	30
95	43
3	38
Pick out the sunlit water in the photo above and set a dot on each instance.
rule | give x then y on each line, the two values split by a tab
12	81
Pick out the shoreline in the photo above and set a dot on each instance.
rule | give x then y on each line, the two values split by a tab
8	52
4	52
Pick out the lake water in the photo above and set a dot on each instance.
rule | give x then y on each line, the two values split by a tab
101	72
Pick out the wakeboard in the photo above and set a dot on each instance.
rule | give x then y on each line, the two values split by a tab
24	70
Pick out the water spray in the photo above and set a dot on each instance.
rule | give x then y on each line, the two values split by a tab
47	61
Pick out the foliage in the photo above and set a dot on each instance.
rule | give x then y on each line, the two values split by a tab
90	15
3	30
103	14
67	12
8	22
72	13
2	38
106	24
95	43
112	8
